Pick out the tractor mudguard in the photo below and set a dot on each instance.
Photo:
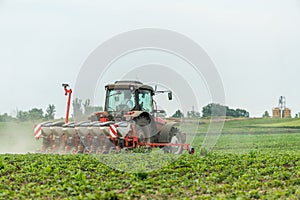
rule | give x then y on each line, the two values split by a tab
164	134
136	114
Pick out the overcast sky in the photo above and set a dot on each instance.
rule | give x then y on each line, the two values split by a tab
255	45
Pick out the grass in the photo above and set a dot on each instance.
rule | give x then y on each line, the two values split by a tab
252	159
242	134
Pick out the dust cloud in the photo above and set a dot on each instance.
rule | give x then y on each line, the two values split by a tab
17	138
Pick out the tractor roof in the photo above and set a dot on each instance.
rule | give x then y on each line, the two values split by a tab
127	84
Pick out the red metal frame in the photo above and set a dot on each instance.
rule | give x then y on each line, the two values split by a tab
69	93
185	146
134	139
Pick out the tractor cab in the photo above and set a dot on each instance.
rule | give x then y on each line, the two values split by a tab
124	96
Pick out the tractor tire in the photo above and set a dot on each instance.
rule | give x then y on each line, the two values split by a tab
143	129
175	138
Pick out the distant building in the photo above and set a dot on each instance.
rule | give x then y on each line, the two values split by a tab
276	113
281	111
286	113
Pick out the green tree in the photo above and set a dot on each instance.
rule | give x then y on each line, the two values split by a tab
214	109
193	114
266	114
178	114
242	113
77	111
33	114
22	115
6	118
36	114
98	108
50	112
82	110
88	109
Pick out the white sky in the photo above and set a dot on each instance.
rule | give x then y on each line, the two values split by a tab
254	44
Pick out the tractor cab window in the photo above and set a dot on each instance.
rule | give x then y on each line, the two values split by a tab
120	100
145	100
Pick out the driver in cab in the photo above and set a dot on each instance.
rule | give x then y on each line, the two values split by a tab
127	100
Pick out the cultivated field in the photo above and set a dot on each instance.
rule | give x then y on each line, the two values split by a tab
253	159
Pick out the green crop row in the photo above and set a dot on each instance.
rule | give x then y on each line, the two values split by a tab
251	175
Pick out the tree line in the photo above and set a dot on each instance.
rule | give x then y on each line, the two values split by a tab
33	114
81	110
214	110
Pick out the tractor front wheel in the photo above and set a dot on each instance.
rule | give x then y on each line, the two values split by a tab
175	144
143	129
176	140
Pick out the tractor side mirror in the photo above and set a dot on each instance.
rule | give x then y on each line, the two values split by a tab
170	95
